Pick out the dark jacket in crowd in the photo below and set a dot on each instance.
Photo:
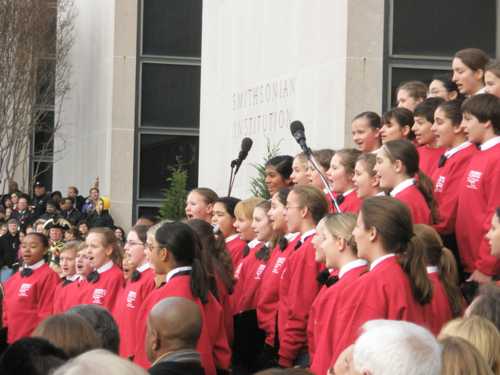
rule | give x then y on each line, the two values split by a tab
40	203
79	201
72	217
24	219
176	368
55	217
9	247
101	220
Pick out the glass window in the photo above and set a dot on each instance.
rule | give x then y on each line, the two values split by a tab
148	210
172	28
442	28
170	95
157	152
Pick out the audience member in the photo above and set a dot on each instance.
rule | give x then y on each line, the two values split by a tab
22	215
388	347
103	323
99	362
173	330
100	217
69	332
33	356
9	247
71	214
39	201
78	200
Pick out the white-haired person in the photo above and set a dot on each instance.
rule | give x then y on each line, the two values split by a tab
388	347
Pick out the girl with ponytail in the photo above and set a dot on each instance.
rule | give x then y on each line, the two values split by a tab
397	285
447	302
397	165
305	207
267	306
341	253
176	253
219	265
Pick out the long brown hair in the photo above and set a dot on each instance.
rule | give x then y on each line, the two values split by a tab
314	199
108	238
221	260
439	256
407	153
393	221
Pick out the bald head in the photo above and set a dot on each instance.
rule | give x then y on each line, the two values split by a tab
174	323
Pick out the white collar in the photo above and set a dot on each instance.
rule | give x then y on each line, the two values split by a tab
253	243
490	143
432	269
36	265
403	185
177	270
291	236
267	244
307	234
452	151
144	267
73	278
233	237
376	151
379	260
480	91
81	278
104	268
348	192
381	194
349	266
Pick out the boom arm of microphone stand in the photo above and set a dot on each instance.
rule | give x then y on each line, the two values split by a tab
313	161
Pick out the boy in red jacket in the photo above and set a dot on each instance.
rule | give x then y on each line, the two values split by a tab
478	195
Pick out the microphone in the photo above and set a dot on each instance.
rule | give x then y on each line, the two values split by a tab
246	145
297	130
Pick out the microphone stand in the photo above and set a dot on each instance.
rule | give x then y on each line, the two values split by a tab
232	176
329	190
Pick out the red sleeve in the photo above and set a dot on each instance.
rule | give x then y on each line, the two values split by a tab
215	321
46	294
225	304
57	309
486	263
303	289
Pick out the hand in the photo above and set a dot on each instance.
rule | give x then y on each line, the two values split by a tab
479	277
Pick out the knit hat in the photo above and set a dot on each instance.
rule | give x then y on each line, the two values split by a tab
52	203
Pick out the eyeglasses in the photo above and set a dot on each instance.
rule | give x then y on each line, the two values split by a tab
435	92
288	207
131	243
151	247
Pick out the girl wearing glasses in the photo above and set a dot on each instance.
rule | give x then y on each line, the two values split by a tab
270	286
176	254
341	253
443	87
103	285
397	166
397	285
137	288
305	207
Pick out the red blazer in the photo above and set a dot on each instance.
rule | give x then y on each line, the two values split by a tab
127	308
235	248
105	291
28	301
351	203
447	184
267	307
210	351
418	206
324	322
64	297
429	159
438	312
478	198
383	293
239	288
250	281
225	304
302	270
